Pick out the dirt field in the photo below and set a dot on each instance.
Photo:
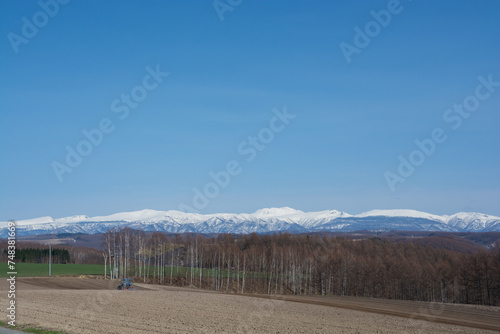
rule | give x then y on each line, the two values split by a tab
94	306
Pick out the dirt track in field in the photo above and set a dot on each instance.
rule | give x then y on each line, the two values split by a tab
78	305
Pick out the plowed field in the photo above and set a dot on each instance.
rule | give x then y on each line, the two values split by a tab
79	305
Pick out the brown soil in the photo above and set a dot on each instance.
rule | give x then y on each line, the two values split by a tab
79	305
66	283
463	315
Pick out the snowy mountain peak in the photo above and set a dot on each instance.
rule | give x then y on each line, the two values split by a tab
72	219
275	212
33	221
473	220
473	215
141	215
402	213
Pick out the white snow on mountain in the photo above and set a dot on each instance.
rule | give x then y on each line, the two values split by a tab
34	221
275	212
473	221
403	213
142	216
71	219
262	221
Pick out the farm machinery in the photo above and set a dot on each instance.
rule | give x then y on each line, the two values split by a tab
126	284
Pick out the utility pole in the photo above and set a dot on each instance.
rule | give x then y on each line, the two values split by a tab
50	257
105	260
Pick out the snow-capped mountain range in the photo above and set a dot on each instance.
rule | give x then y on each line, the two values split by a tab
261	221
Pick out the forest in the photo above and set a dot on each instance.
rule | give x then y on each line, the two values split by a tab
34	252
38	255
306	265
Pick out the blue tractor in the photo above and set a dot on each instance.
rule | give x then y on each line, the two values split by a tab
126	284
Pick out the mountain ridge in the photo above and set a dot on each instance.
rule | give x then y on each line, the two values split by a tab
262	221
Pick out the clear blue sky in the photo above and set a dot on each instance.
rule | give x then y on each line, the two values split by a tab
352	120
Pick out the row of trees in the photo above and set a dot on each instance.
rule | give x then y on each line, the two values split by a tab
38	255
34	252
304	265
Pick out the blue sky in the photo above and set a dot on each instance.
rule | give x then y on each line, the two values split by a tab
352	120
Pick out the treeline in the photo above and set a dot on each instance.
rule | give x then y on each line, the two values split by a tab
29	251
35	255
306	265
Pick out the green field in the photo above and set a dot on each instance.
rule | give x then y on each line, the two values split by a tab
42	269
